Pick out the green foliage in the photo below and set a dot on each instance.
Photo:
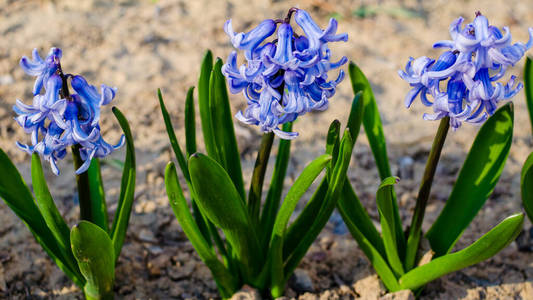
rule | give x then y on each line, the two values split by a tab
474	184
477	178
526	183
87	253
95	255
261	248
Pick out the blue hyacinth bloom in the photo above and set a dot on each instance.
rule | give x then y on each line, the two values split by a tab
56	119
479	57
286	76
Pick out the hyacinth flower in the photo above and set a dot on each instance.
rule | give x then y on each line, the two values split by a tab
56	121
284	78
286	75
457	87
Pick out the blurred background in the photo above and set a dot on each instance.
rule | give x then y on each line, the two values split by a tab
141	45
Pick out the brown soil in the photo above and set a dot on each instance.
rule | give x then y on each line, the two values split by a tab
140	45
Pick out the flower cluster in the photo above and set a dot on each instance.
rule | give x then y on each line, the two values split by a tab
287	76
479	56
57	119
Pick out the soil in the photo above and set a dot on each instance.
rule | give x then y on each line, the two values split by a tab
141	45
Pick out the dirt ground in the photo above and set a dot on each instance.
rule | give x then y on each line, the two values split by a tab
140	45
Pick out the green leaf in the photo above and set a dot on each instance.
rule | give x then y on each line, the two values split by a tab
172	137
375	255
200	221
95	254
386	215
96	188
203	104
336	182
355	119
49	211
273	198
333	140
354	211
526	183
18	197
127	187
487	246
224	133
306	218
298	189
226	282
222	204
477	178
371	120
376	139
528	87
190	123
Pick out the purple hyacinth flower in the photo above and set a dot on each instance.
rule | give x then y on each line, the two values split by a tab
482	54
284	76
40	68
57	119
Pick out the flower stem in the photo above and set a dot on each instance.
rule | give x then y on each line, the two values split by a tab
256	187
82	181
423	193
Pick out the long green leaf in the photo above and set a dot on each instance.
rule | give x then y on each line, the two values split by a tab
226	282
190	123
526	183
371	120
95	254
333	141
487	246
219	200
273	198
479	174
355	119
96	188
528	87
224	133
376	138
355	212
336	182
373	254
203	104
49	211
127	187
386	215
182	162
298	189
18	197
307	217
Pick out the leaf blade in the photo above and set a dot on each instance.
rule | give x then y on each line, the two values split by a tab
96	190
17	196
127	187
526	183
49	211
376	138
190	123
94	251
386	214
226	282
224	133
219	200
485	247
528	88
475	181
